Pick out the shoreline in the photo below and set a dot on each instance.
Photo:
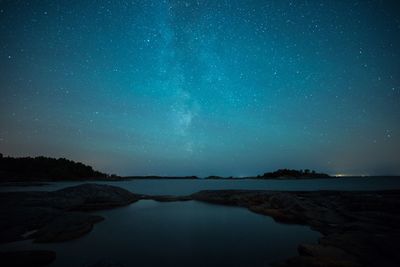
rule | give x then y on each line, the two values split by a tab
359	228
40	181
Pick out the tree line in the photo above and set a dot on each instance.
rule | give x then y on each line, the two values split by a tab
44	168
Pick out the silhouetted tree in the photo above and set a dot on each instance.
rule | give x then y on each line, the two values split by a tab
43	168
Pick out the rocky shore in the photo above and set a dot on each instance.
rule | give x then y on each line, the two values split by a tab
59	215
359	228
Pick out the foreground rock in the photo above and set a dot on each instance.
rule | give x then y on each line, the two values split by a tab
359	228
31	258
68	226
57	216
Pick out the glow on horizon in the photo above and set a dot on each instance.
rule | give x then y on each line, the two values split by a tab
349	175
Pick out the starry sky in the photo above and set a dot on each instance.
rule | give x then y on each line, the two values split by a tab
234	87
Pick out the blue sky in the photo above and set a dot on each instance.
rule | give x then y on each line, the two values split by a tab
203	87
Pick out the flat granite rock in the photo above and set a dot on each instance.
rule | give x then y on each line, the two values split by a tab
54	215
95	196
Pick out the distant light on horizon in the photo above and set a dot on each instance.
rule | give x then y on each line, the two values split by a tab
349	175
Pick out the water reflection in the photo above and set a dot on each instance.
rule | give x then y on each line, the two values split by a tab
191	233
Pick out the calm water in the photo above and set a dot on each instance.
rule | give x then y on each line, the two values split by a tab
149	233
185	187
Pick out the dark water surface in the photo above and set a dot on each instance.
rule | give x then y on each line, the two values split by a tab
188	186
149	233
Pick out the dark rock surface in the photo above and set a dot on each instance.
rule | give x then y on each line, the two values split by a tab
57	216
94	197
69	225
359	228
28	258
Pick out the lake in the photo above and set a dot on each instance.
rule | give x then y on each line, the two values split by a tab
189	186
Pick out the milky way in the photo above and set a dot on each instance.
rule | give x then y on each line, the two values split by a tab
203	87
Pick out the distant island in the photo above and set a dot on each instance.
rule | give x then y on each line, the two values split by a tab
32	169
279	174
47	169
293	174
159	177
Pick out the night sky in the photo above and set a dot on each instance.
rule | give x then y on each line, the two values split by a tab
203	87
